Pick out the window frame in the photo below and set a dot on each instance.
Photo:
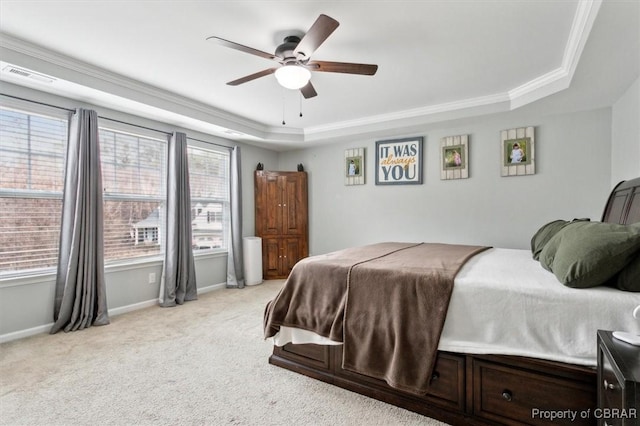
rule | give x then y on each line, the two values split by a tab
46	112
131	130
224	201
34	275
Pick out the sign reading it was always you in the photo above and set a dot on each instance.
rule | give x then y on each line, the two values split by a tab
399	161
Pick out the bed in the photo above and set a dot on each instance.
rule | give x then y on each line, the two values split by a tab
506	346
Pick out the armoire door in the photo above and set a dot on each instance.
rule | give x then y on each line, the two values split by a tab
281	220
280	255
269	211
294	204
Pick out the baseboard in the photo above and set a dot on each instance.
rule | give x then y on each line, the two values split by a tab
21	334
209	288
134	307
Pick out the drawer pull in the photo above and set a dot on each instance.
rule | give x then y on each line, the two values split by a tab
608	385
507	395
435	376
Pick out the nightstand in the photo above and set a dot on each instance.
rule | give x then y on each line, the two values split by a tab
618	382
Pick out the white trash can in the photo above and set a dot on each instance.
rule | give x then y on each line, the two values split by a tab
252	257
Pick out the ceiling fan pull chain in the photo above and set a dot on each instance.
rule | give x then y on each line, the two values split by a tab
300	96
283	122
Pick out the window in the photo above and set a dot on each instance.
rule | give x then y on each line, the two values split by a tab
32	149
32	163
209	180
133	176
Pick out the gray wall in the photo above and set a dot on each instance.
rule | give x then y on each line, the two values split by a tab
625	157
26	304
573	170
579	156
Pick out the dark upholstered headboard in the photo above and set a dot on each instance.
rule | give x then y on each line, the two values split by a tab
623	205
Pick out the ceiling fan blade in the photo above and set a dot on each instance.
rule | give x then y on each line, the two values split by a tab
240	47
317	34
342	67
308	91
252	76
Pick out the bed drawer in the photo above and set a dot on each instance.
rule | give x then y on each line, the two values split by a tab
446	386
447	381
512	395
317	356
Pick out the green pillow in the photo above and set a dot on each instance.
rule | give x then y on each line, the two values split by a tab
587	254
543	236
545	233
629	278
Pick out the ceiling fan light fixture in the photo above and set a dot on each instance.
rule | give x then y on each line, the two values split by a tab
293	76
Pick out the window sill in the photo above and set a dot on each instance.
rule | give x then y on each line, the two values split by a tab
49	274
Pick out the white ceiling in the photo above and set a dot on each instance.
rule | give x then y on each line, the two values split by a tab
435	57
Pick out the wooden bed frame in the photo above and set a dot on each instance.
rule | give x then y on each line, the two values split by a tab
478	389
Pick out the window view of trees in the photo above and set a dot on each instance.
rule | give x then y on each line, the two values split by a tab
32	152
29	232
134	178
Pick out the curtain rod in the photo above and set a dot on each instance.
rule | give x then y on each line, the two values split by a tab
112	119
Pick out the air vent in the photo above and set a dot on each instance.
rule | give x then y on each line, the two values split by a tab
23	73
19	72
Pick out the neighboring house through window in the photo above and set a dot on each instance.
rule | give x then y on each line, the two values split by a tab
209	179
134	178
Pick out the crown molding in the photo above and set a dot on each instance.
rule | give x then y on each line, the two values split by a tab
583	20
538	88
97	78
560	78
84	74
399	116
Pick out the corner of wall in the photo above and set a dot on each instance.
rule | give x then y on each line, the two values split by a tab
625	135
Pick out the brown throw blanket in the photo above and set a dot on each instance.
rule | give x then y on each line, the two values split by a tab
385	302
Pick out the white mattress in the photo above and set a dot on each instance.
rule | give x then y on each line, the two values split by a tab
505	303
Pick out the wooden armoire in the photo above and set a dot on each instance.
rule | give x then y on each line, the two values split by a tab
281	220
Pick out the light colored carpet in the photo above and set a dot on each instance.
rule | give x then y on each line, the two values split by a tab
203	363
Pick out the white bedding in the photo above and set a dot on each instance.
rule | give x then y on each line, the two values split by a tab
505	303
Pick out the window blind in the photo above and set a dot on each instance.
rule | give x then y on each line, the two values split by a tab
32	152
32	162
134	179
209	181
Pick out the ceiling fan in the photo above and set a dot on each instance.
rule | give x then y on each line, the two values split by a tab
294	57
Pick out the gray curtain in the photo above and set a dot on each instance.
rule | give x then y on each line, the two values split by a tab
178	283
235	269
80	299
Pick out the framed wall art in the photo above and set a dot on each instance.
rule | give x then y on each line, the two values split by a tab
454	157
354	166
399	161
517	152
